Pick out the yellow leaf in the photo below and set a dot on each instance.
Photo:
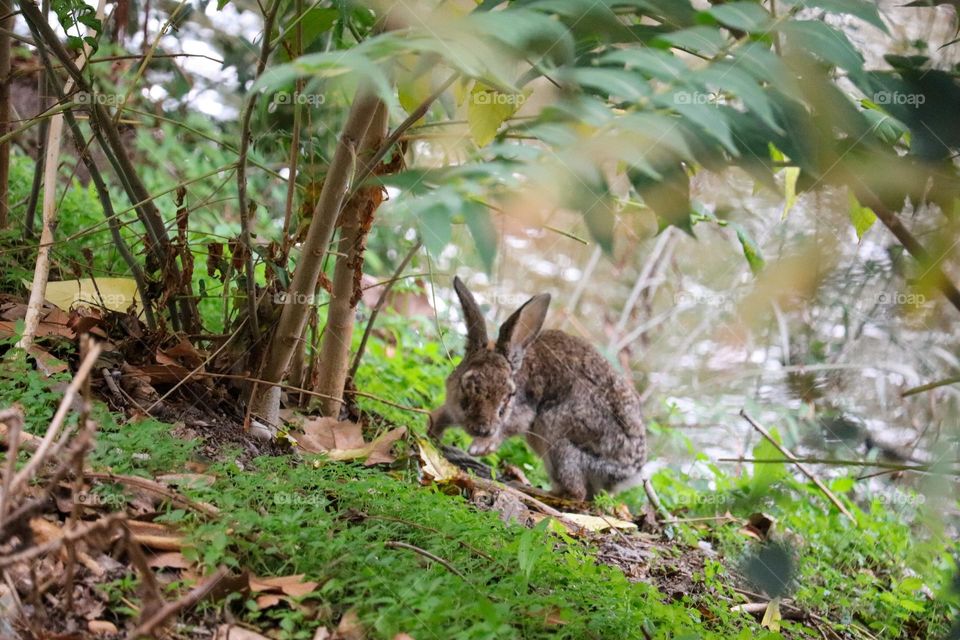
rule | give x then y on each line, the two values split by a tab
790	175
598	523
413	92
487	110
772	617
116	294
434	467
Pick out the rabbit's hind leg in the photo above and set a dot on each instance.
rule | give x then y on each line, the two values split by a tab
566	465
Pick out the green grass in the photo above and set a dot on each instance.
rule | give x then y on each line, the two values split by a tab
332	522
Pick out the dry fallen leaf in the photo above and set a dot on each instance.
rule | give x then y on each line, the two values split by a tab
102	628
433	465
168	560
293	585
343	440
599	523
155	535
47	363
188	480
381	449
267	600
236	632
350	627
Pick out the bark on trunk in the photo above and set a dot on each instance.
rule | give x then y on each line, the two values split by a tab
299	299
355	225
6	9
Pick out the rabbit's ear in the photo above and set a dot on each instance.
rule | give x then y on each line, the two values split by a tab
476	328
522	328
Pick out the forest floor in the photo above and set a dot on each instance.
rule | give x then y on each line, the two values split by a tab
155	514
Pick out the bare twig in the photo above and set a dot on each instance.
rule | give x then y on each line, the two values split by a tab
930	385
170	609
889	466
793	459
152	594
393	544
13	418
105	523
245	209
155	487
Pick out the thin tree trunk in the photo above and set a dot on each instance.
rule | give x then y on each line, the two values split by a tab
248	211
113	146
341	312
6	9
41	271
299	299
83	151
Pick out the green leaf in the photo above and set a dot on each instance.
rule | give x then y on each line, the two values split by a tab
756	59
314	22
726	76
887	128
910	584
827	43
611	82
707	41
709	118
653	63
668	196
601	221
435	230
862	217
745	16
478	219
751	250
842	485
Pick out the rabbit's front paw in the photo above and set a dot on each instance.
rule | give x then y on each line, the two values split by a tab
484	446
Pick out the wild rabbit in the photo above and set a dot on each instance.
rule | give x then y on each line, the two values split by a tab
575	410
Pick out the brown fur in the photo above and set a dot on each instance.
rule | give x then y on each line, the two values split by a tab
575	410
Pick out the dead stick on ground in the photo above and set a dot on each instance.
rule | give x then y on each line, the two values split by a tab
392	544
157	488
54	429
147	627
13	418
107	522
152	595
792	458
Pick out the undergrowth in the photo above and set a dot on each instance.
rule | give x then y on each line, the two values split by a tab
887	575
